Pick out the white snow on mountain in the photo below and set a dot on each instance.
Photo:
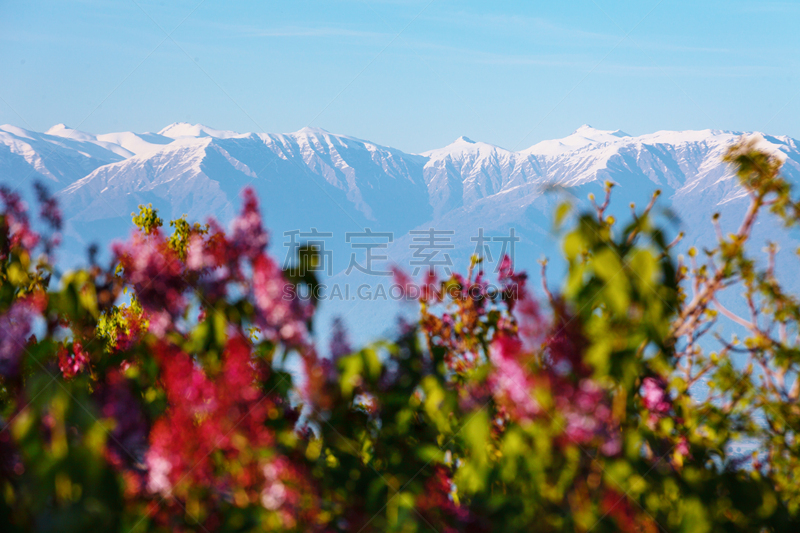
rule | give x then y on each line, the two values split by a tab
56	156
184	129
335	183
199	170
583	136
137	143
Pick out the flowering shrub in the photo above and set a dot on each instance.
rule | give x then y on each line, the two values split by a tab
152	395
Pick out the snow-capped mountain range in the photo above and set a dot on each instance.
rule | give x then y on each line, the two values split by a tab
339	184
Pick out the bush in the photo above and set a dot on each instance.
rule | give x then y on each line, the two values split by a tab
497	411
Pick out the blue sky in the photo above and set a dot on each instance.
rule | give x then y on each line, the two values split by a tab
411	74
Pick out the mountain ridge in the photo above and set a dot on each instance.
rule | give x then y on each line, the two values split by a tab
337	184
315	177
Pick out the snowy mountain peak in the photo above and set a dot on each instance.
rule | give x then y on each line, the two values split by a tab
462	146
580	138
62	130
589	132
583	129
16	131
184	129
309	130
57	128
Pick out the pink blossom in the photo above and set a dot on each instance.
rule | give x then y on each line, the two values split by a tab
158	469
506	268
20	233
198	257
205	414
682	447
285	488
248	234
581	427
654	395
509	381
155	271
280	316
612	445
586	412
71	364
15	327
404	281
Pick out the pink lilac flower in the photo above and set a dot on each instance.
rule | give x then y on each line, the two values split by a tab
205	415
158	472
287	491
510	383
215	260
654	395
15	327
249	236
20	233
514	283
581	427
429	290
612	444
401	279
280	316
584	405
586	412
158	322
155	271
198	257
71	364
682	447
505	269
